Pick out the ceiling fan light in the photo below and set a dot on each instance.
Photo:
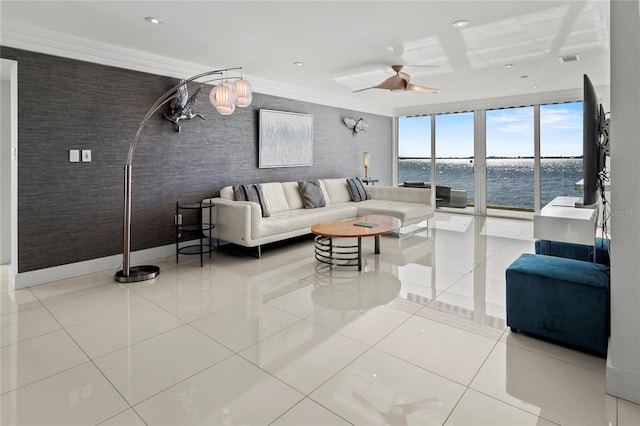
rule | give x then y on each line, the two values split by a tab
222	98
245	94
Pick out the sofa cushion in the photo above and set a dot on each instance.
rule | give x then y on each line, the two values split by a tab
287	221
356	189
292	192
311	193
227	193
252	193
274	194
337	190
408	213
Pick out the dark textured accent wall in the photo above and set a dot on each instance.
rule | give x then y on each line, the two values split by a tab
70	212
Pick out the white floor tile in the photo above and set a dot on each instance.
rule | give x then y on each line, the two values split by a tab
122	328
245	324
451	352
233	392
37	358
304	299
23	325
126	418
176	281
17	300
378	389
480	410
71	287
304	355
553	350
484	325
146	368
309	413
555	390
477	302
92	305
366	325
78	396
194	304
395	343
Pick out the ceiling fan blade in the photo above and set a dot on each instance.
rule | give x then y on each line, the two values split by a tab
405	77
396	82
416	88
362	90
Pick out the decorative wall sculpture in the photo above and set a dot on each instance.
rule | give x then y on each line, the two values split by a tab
357	126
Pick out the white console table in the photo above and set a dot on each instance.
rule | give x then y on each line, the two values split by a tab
561	221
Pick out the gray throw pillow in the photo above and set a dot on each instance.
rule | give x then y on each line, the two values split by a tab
311	194
356	189
251	193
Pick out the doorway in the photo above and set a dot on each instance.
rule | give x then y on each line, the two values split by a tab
9	164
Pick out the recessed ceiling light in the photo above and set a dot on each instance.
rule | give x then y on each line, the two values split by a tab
534	87
460	24
153	20
298	63
508	65
569	58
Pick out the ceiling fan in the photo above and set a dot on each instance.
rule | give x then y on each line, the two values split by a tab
400	82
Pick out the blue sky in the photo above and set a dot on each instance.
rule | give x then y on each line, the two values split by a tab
509	133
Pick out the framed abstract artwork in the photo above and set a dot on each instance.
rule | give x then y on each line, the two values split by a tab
286	139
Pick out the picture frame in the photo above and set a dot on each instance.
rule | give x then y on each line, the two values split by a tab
286	139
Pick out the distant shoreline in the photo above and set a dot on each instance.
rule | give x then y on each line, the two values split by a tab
494	158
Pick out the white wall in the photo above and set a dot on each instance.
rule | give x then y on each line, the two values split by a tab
5	172
623	362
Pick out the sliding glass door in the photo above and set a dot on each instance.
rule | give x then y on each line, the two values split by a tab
510	159
492	158
454	159
560	150
414	149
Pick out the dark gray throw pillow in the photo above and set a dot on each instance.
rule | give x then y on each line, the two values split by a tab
251	193
356	189
311	194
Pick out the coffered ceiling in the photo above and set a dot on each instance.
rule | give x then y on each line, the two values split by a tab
509	49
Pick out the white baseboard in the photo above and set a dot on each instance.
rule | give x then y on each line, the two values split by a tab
623	383
56	273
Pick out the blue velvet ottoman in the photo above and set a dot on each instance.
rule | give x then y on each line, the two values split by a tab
565	300
575	251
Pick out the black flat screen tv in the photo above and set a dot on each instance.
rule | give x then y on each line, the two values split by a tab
593	160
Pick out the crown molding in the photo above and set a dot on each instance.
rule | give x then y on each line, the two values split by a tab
57	44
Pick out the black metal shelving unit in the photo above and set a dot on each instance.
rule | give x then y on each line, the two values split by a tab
199	228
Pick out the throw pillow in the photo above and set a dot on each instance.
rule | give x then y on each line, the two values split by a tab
311	194
356	189
251	193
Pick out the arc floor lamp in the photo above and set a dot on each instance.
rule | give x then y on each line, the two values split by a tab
231	92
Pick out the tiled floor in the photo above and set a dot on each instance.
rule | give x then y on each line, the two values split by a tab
417	338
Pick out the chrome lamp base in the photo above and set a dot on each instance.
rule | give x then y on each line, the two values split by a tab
137	273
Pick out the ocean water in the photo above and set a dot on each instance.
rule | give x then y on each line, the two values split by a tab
509	180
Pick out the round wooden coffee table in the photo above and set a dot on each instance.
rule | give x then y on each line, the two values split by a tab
350	255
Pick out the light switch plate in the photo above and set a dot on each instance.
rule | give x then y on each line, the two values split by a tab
86	155
74	155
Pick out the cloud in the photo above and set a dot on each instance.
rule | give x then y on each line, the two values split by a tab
561	119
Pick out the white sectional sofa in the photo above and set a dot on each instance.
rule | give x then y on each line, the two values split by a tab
241	222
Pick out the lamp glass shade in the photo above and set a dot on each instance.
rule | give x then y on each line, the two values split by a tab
365	159
234	90
245	95
222	98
